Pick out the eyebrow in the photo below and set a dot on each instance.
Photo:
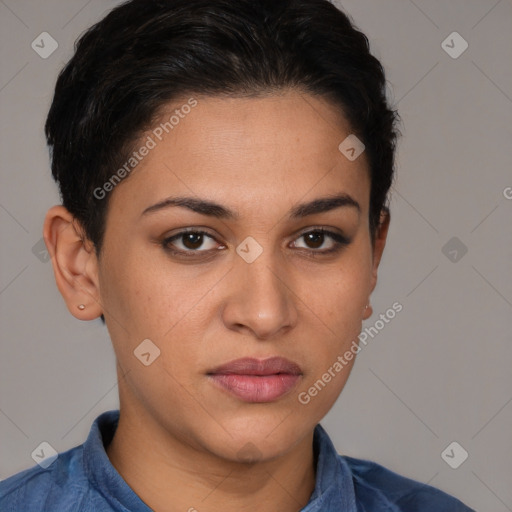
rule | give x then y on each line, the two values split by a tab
212	209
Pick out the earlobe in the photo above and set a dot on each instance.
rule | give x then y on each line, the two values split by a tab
74	263
368	311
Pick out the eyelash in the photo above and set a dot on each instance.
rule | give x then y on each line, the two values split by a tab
340	241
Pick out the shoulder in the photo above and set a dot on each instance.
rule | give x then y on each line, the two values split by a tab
61	486
76	480
376	485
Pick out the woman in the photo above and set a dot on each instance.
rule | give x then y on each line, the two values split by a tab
224	170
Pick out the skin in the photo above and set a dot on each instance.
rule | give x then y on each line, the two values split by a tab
259	157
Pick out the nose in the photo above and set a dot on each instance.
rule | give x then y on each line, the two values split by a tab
260	301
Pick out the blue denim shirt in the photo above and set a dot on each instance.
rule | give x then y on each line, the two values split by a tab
82	479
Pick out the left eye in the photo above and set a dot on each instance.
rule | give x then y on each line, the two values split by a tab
321	239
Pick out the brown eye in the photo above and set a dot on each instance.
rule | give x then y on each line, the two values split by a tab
321	241
314	239
190	242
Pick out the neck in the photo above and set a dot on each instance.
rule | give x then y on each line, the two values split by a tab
169	474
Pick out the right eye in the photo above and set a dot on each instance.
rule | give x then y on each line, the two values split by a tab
190	242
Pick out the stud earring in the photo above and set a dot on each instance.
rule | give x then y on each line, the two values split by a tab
81	307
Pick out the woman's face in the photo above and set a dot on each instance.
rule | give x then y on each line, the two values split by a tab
255	277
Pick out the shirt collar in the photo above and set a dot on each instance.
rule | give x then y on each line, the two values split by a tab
334	485
334	488
100	471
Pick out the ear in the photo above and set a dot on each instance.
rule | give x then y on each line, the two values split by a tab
378	248
74	261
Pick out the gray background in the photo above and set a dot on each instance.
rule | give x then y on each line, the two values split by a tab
438	372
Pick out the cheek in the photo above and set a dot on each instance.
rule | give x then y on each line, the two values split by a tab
342	311
345	300
344	293
166	304
145	301
339	302
334	346
137	292
129	296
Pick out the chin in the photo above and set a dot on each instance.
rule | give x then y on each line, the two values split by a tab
256	438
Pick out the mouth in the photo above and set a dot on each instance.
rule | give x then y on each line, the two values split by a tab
257	381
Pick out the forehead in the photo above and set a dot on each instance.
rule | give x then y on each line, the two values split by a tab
246	152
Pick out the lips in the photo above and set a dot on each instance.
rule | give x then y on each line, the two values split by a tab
255	380
250	366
